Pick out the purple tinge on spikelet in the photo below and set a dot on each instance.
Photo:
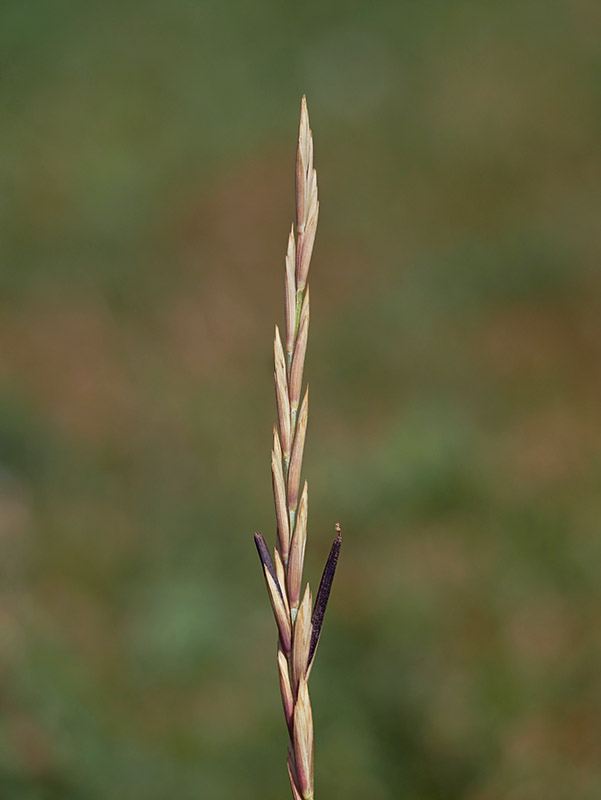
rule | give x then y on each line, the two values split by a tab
323	594
266	560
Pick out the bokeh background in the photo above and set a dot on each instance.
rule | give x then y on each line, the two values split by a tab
147	163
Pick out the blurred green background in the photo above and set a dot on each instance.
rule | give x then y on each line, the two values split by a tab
147	168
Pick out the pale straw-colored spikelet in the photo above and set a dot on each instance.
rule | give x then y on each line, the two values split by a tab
298	359
303	741
299	625
282	394
290	296
292	774
281	613
302	640
279	495
297	552
286	688
296	459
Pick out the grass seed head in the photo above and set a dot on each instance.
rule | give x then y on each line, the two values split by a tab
298	628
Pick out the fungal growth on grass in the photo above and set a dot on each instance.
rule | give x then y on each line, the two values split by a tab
298	622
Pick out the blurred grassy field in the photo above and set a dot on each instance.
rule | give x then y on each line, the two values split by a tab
147	163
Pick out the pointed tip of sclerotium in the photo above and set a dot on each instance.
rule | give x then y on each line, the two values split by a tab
338	532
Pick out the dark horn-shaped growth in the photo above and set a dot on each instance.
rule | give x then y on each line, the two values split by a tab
323	594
